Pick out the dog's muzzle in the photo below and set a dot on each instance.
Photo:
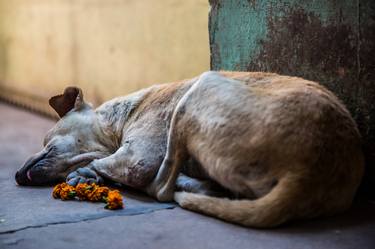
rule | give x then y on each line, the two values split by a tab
23	176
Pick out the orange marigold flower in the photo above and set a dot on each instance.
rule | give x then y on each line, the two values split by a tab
56	190
83	190
98	193
64	191
114	200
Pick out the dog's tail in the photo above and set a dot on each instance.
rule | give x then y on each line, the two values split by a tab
276	207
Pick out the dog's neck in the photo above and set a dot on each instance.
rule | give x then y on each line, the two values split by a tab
113	115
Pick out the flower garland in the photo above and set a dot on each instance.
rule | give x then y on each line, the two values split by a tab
89	192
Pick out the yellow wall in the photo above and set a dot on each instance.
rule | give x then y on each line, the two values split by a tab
108	47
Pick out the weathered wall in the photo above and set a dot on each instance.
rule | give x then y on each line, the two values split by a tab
108	47
332	42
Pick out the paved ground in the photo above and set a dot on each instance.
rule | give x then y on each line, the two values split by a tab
30	218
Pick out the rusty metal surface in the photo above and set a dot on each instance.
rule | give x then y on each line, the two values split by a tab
332	42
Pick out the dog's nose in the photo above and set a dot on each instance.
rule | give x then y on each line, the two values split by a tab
22	178
18	178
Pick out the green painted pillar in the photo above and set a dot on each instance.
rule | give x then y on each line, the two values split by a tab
328	41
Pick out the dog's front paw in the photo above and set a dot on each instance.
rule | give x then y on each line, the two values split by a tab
83	175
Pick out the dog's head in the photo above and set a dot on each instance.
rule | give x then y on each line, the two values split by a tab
72	143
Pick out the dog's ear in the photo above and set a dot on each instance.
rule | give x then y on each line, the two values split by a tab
72	98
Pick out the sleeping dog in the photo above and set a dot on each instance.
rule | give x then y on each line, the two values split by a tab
257	149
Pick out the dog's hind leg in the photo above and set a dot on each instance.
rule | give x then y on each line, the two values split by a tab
276	207
163	185
206	187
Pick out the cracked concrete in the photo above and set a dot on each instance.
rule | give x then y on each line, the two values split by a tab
79	218
28	207
30	218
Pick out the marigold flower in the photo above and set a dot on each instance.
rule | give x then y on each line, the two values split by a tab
114	200
98	193
83	190
90	192
64	191
56	190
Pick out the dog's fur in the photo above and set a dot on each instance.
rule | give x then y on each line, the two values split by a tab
286	147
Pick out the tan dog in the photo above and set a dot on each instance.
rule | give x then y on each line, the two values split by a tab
286	147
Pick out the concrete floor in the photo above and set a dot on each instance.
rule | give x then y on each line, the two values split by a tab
31	218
